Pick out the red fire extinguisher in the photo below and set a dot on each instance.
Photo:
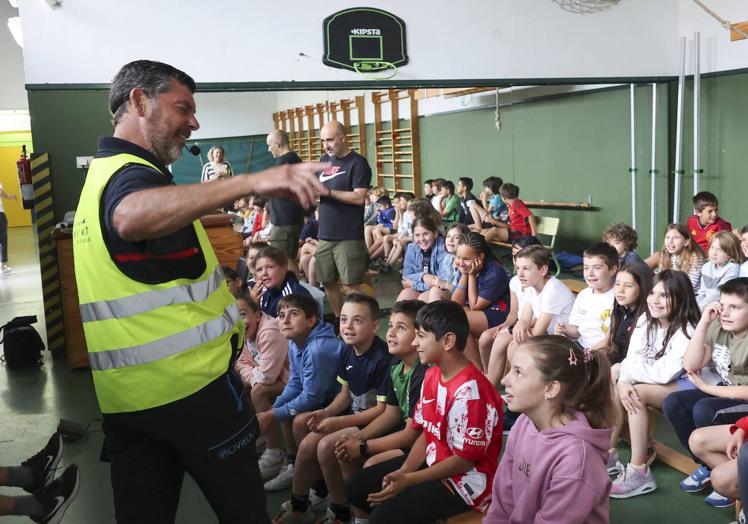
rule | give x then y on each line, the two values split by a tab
24	178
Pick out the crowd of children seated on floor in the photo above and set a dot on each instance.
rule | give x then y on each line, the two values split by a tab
361	428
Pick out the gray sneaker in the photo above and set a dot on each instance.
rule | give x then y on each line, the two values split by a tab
632	482
282	480
614	465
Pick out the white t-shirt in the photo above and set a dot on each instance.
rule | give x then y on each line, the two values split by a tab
640	364
515	286
555	298
436	202
591	314
744	269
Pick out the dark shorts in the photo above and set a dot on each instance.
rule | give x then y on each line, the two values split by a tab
286	238
341	260
494	317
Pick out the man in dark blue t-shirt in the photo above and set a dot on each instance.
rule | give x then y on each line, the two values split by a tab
341	255
286	216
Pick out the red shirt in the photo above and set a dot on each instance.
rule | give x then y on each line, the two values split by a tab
462	417
518	214
702	234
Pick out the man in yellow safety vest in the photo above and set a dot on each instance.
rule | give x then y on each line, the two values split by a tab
161	327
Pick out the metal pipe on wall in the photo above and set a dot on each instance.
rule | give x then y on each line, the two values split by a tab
633	158
697	171
679	133
653	175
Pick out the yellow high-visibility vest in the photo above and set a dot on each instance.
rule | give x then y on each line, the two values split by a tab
148	344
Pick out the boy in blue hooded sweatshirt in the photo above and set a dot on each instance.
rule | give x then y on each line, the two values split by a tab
313	353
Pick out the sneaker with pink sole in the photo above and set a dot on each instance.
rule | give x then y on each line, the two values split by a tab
632	482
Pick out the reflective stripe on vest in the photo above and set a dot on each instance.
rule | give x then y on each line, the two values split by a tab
150	300
168	346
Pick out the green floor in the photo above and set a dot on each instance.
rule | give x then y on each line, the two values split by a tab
32	402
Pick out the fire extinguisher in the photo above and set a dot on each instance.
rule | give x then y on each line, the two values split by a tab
24	178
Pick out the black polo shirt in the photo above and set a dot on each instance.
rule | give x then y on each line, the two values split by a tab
177	255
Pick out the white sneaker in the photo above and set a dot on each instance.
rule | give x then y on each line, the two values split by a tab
316	503
282	480
271	462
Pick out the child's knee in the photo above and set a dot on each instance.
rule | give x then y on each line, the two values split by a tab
326	448
697	442
724	480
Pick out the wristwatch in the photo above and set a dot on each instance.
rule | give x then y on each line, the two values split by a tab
362	447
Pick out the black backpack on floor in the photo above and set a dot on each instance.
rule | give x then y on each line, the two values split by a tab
22	344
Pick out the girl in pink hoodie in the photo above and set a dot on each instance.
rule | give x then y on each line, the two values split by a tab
263	367
553	469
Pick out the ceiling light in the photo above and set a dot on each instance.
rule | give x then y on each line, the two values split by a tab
13	3
14	24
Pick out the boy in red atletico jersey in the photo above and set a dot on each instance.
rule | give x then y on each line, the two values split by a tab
459	415
706	222
521	220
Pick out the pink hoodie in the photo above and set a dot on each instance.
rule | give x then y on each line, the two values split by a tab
268	360
556	476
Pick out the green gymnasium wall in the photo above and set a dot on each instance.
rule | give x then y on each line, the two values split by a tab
564	148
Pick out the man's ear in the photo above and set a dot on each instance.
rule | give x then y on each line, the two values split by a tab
138	100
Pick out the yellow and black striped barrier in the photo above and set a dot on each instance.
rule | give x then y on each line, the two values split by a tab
44	211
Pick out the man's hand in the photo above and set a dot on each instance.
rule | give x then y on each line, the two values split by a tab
297	182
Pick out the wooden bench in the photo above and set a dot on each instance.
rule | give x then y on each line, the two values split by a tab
575	286
547	227
666	454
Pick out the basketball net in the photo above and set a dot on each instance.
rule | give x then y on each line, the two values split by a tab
376	70
585	7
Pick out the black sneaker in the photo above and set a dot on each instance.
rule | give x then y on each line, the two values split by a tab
43	464
56	497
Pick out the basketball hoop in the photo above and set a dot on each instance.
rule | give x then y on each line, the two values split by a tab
387	69
585	7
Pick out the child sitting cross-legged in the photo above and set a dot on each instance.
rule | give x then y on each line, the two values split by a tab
717	363
362	372
458	416
553	468
392	431
724	259
313	352
653	369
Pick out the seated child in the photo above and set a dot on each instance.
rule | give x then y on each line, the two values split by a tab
386	437
427	191
744	249
362	372
395	247
426	260
652	370
436	194
450	277
450	204
313	352
589	320
717	363
310	227
706	222
274	280
252	253
464	190
623	238
402	225
458	416
722	448
233	281
679	252
494	342
385	220
725	257
263	367
370	214
493	211
553	468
